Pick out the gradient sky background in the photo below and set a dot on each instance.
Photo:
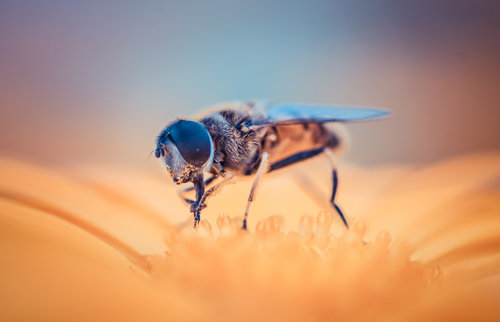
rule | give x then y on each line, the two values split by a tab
97	80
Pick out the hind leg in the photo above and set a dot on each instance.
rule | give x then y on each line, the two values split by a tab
335	180
301	156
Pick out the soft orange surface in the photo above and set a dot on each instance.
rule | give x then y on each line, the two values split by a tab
103	242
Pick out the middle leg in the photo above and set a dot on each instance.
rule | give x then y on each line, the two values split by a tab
260	172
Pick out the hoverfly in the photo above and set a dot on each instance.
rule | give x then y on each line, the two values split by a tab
250	138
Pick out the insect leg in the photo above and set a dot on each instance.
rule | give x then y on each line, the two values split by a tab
182	192
309	187
301	156
335	180
199	186
201	203
260	172
202	195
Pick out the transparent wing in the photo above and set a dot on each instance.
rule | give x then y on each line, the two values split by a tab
286	114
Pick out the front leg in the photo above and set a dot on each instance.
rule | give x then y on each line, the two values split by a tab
182	193
199	204
196	206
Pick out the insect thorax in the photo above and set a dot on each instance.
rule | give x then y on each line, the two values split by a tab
237	146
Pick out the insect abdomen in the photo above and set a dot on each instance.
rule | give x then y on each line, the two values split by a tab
286	140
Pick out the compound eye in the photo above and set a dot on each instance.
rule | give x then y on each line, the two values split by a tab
192	140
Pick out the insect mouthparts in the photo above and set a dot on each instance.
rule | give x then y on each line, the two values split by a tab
160	150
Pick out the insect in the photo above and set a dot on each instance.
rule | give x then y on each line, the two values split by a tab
250	138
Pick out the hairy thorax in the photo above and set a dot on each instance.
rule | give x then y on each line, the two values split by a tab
237	146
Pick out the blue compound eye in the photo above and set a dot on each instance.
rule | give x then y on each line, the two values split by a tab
192	140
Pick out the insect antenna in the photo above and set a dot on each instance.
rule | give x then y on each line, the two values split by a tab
149	155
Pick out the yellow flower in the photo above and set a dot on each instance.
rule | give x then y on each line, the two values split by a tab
103	243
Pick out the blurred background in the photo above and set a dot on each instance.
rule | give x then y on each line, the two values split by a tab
95	81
